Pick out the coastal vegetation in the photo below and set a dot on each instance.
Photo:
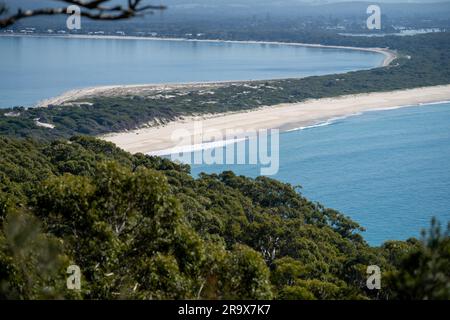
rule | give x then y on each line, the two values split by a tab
423	60
142	227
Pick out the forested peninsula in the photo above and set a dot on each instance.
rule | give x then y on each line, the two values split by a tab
423	60
142	227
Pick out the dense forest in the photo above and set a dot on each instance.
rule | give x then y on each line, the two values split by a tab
142	227
424	60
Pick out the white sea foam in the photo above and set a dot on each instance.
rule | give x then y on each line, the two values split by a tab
433	103
325	123
336	119
195	147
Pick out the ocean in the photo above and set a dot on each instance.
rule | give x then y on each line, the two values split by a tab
35	68
387	170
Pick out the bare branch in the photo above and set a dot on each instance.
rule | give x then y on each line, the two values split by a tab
94	9
3	8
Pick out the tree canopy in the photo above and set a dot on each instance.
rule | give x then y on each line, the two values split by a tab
142	227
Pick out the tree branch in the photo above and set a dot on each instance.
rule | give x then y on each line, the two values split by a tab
2	8
94	9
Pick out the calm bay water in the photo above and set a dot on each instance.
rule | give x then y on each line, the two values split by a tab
387	170
35	68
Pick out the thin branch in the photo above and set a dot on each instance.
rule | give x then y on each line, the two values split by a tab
3	9
94	9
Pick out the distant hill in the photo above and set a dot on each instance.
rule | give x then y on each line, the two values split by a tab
249	6
182	11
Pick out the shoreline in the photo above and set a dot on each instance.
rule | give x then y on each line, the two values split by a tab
74	94
389	55
285	117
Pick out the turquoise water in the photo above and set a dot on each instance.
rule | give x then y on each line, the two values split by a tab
35	68
387	170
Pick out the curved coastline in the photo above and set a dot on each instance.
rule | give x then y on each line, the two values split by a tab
76	94
285	117
156	139
390	55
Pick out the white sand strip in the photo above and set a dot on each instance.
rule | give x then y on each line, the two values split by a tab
283	116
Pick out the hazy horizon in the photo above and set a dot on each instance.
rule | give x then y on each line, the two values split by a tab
17	3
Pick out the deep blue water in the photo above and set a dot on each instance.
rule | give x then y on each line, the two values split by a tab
35	68
387	170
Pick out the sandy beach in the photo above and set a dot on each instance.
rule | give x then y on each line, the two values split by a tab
77	94
283	116
118	90
388	54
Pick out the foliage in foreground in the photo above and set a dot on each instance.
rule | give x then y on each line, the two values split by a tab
141	227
